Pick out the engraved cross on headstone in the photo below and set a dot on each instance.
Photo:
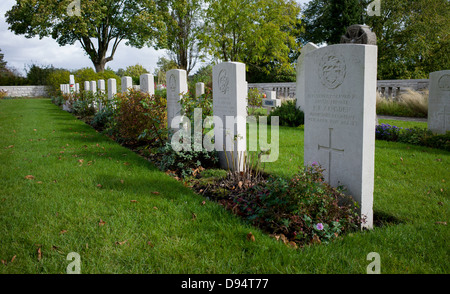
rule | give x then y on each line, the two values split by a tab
330	150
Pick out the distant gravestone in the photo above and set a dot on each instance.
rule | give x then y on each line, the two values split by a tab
127	83
271	100
77	88
300	84
176	87
147	84
101	86
230	113
439	102
199	89
340	110
87	86
112	88
71	84
93	87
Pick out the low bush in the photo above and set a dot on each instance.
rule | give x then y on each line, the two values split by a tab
299	211
415	136
3	94
255	97
289	114
409	104
140	119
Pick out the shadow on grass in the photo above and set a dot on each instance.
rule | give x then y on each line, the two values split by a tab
381	219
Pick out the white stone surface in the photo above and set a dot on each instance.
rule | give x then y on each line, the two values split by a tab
127	83
199	89
71	84
176	87
93	87
112	88
101	86
300	83
26	91
439	102
340	110
87	86
77	88
147	84
230	113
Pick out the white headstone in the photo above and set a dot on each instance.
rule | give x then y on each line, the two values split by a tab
101	86
230	113
199	89
93	87
340	109
71	84
87	86
77	88
300	84
176	87
112	88
127	83
271	100
439	102
61	87
147	83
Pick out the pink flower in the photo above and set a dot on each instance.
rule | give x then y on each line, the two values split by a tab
319	226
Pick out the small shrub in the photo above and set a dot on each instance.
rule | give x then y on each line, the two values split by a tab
55	79
289	114
255	97
3	94
415	101
186	163
140	118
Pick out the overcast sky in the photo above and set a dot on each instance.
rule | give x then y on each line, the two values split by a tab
19	52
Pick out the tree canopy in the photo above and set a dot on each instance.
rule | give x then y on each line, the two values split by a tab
100	26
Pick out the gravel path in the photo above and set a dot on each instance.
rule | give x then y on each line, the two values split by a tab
403	118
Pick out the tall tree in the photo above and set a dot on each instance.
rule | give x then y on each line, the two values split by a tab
325	21
413	38
100	26
260	33
182	18
2	62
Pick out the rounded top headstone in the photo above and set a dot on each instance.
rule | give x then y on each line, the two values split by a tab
359	34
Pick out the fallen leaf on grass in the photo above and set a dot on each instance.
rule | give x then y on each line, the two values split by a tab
441	223
194	216
203	202
133	201
155	193
29	177
99	185
12	259
10	146
63	232
121	243
101	223
4	262
150	244
126	163
251	237
316	240
39	254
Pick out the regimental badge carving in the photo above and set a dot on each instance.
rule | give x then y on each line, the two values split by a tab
332	71
224	81
172	83
444	83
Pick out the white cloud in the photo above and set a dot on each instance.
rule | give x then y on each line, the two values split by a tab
19	51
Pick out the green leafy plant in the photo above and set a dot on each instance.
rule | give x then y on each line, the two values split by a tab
255	97
288	114
140	118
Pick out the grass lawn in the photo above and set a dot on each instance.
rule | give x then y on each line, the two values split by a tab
66	188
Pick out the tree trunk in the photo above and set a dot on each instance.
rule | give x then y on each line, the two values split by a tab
100	66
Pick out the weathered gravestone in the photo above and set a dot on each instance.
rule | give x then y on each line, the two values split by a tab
199	89
93	87
101	86
71	84
230	113
340	109
271	100
439	102
127	83
112	88
176	87
359	34
300	83
147	84
87	86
